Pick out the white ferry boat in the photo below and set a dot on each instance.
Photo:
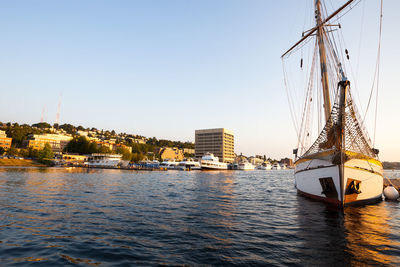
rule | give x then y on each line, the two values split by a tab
104	160
189	164
276	166
210	162
170	165
246	166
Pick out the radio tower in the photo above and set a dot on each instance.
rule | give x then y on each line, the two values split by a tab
58	111
43	111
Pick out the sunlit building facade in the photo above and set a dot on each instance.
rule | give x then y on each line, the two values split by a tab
5	142
57	141
219	142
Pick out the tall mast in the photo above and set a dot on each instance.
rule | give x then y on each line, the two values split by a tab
322	59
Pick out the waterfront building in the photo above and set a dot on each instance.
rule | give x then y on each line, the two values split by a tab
82	133
135	140
5	142
138	141
188	150
219	142
105	143
240	158
171	153
93	139
257	160
286	161
57	141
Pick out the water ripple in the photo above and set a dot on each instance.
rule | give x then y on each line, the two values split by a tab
112	217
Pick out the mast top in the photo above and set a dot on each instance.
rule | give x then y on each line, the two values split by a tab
322	59
311	31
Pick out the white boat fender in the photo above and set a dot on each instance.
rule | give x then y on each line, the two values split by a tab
390	193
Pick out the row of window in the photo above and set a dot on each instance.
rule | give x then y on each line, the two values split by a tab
209	142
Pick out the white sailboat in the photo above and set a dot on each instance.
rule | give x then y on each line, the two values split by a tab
341	167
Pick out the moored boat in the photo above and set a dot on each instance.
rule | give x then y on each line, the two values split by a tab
210	162
341	166
170	165
189	164
276	166
246	166
265	166
104	160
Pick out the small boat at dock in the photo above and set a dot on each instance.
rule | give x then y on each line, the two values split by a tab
170	165
210	162
246	166
104	160
189	165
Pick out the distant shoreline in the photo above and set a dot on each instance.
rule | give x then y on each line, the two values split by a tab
20	163
34	163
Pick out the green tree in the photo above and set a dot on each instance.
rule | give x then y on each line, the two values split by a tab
126	154
41	125
81	145
104	149
33	153
136	157
68	128
92	148
46	152
20	133
24	152
12	151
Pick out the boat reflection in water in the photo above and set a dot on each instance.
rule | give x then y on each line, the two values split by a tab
368	230
353	236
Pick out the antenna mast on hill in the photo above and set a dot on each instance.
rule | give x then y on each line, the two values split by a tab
58	110
43	111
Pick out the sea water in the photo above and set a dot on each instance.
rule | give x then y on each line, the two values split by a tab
55	216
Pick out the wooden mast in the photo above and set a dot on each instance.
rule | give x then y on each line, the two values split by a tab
322	60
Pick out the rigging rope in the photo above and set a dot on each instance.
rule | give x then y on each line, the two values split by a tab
359	42
376	74
351	6
290	101
377	83
357	137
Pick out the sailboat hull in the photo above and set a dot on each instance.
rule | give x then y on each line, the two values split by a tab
359	181
369	175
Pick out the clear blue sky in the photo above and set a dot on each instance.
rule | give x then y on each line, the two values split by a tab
166	68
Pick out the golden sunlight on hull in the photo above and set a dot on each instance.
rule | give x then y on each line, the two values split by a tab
359	182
